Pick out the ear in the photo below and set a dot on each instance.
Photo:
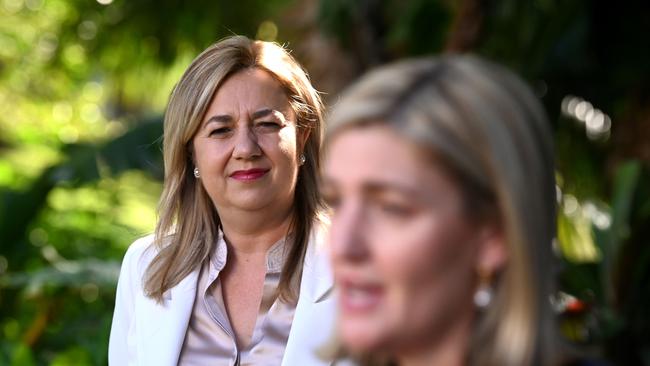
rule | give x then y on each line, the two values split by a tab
492	253
302	137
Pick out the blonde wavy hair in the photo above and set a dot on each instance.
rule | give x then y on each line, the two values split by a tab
188	223
491	132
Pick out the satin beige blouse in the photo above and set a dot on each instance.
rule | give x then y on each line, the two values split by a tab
210	339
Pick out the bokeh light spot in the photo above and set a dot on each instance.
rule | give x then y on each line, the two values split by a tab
62	112
34	5
570	205
115	128
581	110
11	329
12	6
74	55
93	91
89	292
90	112
68	135
38	237
47	45
267	31
87	30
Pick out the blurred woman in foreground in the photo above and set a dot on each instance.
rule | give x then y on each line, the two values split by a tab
440	177
232	275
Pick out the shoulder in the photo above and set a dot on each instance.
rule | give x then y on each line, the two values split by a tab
141	247
138	255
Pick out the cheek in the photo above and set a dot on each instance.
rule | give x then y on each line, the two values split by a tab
210	156
424	262
287	141
199	153
405	250
407	264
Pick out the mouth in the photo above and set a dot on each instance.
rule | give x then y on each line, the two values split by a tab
249	175
359	297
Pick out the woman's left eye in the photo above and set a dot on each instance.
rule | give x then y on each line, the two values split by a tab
268	125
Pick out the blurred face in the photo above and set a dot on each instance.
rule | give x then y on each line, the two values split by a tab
247	147
403	253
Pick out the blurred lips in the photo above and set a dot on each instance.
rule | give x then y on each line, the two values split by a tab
359	297
249	175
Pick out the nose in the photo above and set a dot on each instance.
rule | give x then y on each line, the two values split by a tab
348	234
246	145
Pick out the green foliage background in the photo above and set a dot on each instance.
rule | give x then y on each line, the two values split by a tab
83	85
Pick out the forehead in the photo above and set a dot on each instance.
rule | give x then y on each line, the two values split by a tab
376	153
250	88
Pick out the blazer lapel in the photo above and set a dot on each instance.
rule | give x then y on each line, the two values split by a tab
317	277
321	281
161	327
315	313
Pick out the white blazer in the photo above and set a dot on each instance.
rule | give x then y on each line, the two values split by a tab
147	333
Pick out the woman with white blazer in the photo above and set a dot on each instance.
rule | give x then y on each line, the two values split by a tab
233	274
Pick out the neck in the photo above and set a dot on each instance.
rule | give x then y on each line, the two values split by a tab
249	233
449	350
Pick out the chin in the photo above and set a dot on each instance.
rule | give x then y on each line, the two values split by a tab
249	206
359	338
251	202
255	200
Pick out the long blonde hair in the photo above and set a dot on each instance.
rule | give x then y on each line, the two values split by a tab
188	222
486	126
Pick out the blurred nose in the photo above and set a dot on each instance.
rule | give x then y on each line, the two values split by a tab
348	234
246	144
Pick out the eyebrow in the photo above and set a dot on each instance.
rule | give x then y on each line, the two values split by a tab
263	113
225	118
374	187
381	187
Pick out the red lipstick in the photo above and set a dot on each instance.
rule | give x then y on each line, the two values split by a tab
249	175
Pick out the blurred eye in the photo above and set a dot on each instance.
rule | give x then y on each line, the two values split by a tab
395	209
331	200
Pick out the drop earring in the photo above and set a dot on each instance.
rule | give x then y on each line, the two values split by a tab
483	294
197	175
